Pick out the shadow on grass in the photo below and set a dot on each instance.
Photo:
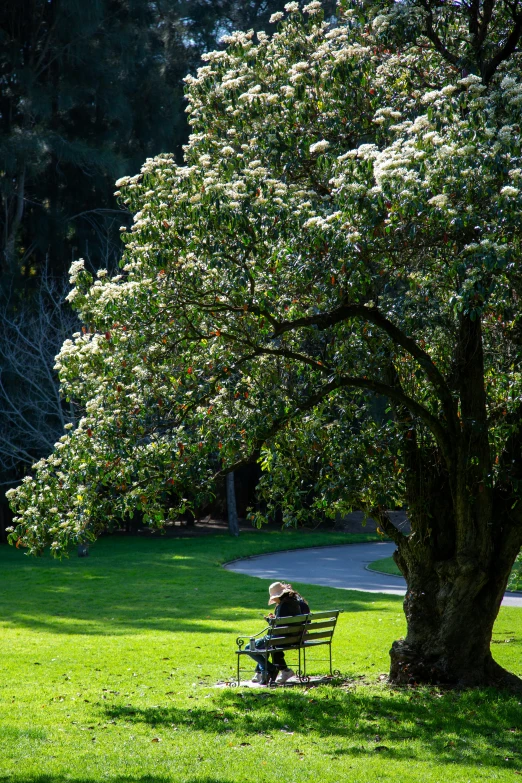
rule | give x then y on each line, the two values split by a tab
156	584
474	727
112	779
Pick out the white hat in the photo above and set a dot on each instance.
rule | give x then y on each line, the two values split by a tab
277	590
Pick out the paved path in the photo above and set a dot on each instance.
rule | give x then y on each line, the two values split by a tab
334	566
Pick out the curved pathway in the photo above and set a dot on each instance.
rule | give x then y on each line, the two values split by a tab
343	567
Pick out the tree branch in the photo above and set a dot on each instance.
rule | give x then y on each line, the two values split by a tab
432	35
383	389
505	52
373	315
381	516
487	13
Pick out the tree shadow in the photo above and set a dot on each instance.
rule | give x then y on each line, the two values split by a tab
155	584
472	727
66	778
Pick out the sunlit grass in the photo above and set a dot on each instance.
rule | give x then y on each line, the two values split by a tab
385	565
108	665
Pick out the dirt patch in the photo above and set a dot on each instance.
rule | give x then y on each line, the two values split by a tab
352	523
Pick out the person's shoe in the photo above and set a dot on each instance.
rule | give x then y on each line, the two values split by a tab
259	677
284	675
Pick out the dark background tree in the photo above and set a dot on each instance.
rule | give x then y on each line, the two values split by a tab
88	90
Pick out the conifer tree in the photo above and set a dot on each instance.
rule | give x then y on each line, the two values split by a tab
88	91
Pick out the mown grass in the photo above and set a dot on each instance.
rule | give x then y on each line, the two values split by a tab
108	666
385	565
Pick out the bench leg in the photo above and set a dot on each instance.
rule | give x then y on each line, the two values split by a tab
238	675
330	648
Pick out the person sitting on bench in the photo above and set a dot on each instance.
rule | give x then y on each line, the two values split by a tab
288	603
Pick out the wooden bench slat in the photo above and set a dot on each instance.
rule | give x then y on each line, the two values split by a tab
279	640
285	639
306	645
271	647
322	635
295	628
325	624
299	618
334	613
303	620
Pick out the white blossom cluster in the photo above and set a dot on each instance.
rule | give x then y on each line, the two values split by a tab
317	173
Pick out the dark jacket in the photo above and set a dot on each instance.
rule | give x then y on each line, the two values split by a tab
288	607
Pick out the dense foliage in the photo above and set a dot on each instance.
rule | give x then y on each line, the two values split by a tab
87	92
329	208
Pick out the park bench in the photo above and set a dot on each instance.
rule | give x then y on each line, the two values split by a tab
300	633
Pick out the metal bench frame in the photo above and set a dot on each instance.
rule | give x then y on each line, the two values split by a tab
302	632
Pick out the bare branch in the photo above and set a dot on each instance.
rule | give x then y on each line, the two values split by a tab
32	413
505	52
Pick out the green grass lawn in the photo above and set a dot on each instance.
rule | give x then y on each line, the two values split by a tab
108	665
386	565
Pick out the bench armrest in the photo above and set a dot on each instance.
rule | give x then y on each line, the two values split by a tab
242	640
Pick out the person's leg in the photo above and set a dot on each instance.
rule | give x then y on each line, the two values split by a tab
278	659
285	672
260	659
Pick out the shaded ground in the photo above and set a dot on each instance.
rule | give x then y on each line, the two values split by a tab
351	523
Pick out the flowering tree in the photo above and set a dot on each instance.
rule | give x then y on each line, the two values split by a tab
346	230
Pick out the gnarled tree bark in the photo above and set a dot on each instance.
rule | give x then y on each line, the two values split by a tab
465	538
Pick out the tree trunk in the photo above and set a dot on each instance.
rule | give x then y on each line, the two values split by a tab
451	606
12	230
233	523
464	539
